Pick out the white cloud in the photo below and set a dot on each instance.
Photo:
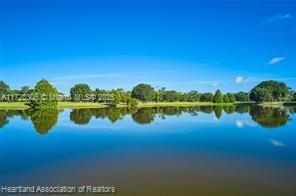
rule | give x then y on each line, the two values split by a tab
275	60
278	17
215	84
242	80
239	79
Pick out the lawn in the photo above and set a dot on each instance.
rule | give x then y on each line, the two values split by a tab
22	105
155	104
81	105
13	105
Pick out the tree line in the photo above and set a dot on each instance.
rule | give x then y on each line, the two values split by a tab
267	91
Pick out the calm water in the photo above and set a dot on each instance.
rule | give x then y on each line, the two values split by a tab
242	150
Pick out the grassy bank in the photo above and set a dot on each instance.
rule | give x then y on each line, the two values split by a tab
81	105
22	105
62	105
140	105
271	104
278	104
163	104
14	105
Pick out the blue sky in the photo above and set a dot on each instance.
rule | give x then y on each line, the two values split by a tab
183	45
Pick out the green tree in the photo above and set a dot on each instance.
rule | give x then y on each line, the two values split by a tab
131	101
231	97
218	97
143	92
80	92
45	95
192	96
25	90
103	96
171	96
261	95
226	98
123	97
4	90
159	94
242	97
292	95
206	97
117	98
268	91
4	87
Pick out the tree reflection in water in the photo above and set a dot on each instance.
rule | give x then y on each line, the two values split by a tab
83	116
80	117
269	117
3	118
206	109
218	111
44	120
229	109
144	115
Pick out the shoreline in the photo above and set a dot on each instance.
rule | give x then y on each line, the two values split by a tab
278	104
164	104
78	105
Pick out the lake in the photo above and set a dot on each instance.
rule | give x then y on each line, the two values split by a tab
232	150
